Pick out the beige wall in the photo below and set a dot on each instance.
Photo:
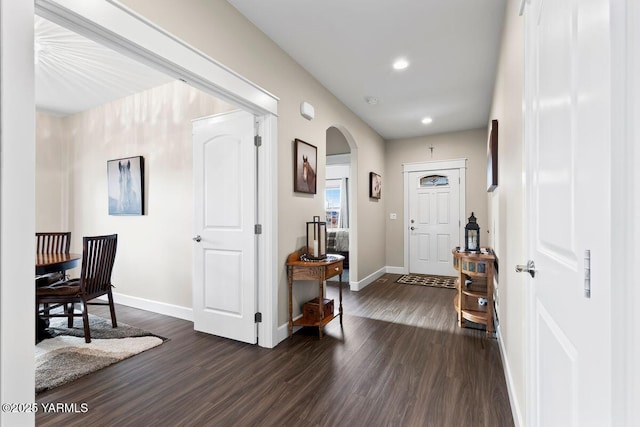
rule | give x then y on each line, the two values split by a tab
52	206
218	30
507	201
154	250
336	142
470	145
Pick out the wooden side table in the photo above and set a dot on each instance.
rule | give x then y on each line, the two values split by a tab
475	282
313	270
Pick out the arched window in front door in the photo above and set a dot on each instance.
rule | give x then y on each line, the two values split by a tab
434	181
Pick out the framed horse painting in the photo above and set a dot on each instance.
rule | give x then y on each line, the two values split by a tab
304	167
375	185
126	186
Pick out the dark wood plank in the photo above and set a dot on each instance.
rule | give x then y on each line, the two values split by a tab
399	360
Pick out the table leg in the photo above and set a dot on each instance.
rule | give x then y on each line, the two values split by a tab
321	306
290	275
340	292
41	327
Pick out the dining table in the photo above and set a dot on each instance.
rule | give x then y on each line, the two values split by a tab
52	263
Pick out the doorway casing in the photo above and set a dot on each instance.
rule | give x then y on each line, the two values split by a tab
123	30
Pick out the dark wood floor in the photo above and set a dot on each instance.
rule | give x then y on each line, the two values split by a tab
400	360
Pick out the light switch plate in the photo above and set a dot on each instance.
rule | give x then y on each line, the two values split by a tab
393	216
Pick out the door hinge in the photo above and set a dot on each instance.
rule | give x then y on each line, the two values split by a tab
258	317
257	140
258	229
587	273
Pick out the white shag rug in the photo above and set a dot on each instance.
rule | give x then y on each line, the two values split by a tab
65	358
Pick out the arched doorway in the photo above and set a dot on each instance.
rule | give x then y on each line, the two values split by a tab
341	197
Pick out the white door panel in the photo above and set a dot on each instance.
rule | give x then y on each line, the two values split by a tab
567	190
221	268
224	290
222	155
434	222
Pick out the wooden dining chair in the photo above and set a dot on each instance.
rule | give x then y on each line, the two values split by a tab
52	243
98	256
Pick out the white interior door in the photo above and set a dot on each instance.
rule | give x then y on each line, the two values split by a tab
224	273
434	220
567	146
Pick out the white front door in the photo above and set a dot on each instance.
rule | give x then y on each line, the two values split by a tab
224	271
434	220
568	188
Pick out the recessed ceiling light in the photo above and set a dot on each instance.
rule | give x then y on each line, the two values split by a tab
427	120
371	100
400	64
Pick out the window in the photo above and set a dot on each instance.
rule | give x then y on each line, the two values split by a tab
434	181
332	197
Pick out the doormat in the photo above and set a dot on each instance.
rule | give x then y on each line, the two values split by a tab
448	282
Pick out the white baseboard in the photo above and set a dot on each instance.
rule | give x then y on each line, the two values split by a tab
356	286
395	270
513	400
184	313
283	330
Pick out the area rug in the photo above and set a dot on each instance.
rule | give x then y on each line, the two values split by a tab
428	280
66	356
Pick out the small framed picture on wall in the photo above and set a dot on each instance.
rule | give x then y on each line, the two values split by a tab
492	157
375	185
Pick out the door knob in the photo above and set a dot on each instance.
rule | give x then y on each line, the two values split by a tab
412	228
529	268
197	238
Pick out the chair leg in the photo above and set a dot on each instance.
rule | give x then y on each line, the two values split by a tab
85	321
69	309
112	309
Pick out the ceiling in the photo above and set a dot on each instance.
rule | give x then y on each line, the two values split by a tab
349	47
75	74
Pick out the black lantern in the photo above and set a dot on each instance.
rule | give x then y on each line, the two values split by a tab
472	235
316	239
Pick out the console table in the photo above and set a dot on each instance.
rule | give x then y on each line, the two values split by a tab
475	282
313	270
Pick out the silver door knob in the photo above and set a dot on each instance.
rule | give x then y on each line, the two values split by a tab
529	268
197	238
412	228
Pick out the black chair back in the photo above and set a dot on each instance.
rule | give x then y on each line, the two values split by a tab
98	257
53	242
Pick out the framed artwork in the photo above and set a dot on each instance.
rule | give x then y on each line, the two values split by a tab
126	186
375	185
304	167
492	157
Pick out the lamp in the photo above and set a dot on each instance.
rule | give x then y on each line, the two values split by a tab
472	235
316	239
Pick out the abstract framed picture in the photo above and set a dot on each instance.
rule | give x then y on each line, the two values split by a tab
304	167
126	186
375	185
492	157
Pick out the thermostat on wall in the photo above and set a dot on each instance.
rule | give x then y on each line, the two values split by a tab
307	110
